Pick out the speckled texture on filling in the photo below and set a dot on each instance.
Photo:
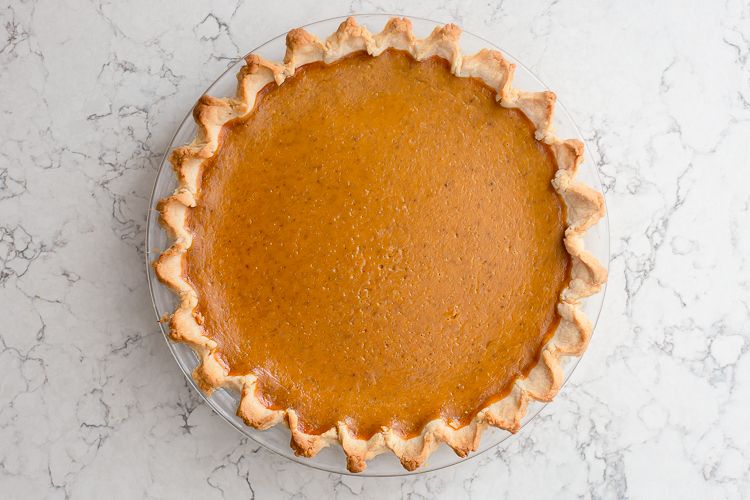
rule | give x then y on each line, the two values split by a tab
378	241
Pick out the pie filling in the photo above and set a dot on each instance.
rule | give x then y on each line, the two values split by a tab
379	243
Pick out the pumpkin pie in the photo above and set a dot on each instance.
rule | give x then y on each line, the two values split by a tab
378	243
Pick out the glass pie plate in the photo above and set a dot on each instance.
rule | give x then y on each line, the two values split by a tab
225	402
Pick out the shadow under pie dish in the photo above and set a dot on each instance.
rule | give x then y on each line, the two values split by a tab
379	244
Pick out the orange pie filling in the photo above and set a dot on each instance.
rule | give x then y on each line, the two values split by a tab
379	243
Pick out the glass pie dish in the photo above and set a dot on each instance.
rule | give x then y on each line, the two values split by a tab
225	402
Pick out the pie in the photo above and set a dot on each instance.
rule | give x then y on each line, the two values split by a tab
379	244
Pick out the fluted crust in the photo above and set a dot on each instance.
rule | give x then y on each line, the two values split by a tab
584	208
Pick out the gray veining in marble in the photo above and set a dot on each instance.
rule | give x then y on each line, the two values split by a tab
92	404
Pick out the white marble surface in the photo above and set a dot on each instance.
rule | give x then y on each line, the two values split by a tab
92	404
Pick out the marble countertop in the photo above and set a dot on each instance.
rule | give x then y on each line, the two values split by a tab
92	404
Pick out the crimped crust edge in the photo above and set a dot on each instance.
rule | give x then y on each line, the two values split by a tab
584	208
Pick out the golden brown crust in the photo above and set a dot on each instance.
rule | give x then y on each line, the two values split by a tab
584	207
397	34
491	67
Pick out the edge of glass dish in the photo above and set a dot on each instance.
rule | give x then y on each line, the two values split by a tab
224	402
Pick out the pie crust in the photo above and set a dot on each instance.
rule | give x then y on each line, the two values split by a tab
584	207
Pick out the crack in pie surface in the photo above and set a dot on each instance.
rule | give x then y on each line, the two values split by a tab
372	268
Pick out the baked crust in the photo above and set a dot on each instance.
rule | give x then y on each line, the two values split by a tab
584	209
